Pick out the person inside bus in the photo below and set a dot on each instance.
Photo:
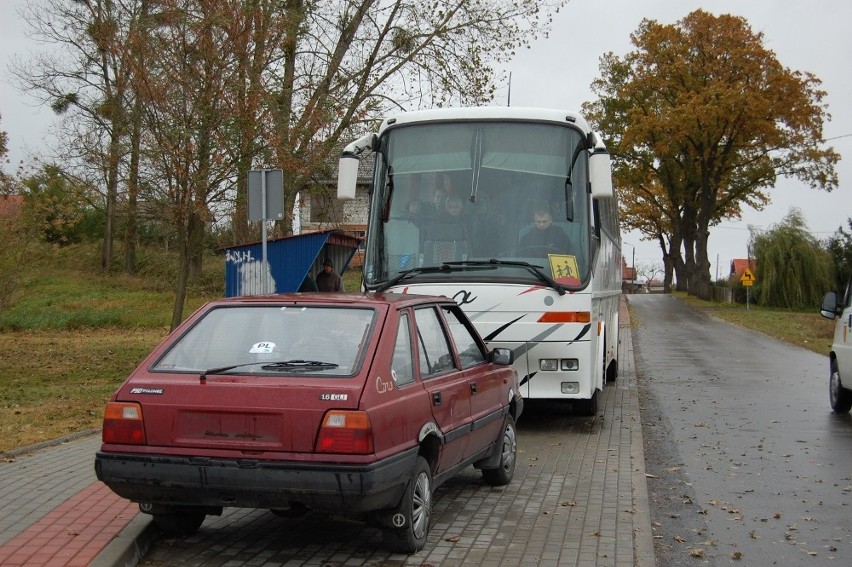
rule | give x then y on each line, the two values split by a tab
544	237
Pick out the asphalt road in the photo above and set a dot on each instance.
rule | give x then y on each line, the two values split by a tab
746	463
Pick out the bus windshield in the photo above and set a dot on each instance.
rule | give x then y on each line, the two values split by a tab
483	201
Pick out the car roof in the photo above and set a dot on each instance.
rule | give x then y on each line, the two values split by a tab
398	300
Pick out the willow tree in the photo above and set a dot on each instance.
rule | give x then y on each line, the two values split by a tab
707	111
792	270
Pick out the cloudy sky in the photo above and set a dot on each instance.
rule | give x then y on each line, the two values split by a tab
557	71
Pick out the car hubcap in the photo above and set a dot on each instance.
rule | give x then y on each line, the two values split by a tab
509	448
422	505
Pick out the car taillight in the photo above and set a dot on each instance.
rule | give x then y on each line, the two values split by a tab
346	432
123	424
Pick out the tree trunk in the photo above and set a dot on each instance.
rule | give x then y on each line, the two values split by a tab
703	286
111	198
131	229
677	262
195	246
183	273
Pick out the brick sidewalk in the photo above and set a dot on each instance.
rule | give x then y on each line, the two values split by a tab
54	511
73	533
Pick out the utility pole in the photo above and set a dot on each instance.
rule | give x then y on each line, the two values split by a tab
633	272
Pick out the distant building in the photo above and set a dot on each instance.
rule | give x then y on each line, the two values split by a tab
628	278
320	210
739	266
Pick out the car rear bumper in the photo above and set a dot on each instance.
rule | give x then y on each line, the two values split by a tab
174	480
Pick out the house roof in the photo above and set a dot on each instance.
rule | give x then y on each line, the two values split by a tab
627	273
739	265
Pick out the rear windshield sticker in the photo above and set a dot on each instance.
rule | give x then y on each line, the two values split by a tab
262	348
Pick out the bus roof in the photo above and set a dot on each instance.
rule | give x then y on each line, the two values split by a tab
488	113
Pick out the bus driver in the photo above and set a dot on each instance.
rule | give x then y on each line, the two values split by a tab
544	235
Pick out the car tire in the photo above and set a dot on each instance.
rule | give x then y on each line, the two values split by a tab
839	397
508	442
179	523
413	513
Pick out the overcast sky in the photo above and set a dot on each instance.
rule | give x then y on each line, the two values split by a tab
557	72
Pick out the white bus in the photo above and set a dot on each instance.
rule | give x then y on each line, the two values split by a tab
510	212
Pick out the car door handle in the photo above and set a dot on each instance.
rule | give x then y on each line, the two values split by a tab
436	398
473	387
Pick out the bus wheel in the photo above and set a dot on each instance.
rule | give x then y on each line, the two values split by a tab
612	371
588	407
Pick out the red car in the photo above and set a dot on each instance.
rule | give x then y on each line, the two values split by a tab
345	403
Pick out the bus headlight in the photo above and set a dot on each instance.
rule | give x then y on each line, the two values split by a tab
570	387
563	364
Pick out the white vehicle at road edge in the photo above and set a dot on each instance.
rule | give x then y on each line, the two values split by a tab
840	357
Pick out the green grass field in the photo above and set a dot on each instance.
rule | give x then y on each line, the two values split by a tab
72	334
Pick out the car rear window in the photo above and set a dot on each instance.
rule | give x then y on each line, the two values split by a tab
298	340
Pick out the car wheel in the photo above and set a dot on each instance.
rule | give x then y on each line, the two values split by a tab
414	512
503	474
840	397
180	523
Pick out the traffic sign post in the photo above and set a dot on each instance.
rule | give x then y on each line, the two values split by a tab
265	202
747	279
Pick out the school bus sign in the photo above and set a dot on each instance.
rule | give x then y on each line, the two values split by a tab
747	279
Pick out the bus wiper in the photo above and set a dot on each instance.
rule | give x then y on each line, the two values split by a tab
445	267
532	268
405	274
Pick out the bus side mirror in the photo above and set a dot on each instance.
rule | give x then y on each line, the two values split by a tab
347	176
347	171
828	308
600	174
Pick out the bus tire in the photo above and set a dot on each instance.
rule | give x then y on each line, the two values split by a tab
612	371
588	407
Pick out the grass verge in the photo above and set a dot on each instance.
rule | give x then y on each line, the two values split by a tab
808	329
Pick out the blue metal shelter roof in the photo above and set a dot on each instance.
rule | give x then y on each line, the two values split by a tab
289	261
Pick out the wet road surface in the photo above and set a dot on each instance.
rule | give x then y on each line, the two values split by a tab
746	463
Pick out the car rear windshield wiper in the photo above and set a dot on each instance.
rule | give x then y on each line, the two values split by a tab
445	267
300	364
532	268
277	365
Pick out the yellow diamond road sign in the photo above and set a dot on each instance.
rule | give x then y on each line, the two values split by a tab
747	278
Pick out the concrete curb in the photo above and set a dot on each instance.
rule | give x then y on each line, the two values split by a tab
131	544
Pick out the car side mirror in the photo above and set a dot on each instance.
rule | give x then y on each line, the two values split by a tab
829	308
504	356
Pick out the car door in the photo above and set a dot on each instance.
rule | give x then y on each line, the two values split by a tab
449	392
843	339
485	381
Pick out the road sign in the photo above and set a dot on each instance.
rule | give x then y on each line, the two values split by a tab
747	278
268	204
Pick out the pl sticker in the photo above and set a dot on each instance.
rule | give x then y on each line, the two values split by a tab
262	348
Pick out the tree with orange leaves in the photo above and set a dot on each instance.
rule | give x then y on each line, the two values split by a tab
703	120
